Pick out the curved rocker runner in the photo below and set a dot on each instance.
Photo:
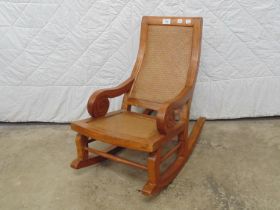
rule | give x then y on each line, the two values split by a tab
162	81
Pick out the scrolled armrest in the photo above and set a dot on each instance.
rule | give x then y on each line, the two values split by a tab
166	113
98	103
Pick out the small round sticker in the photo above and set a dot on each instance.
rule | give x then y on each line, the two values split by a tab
188	21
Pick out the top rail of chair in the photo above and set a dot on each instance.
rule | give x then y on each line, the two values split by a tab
172	20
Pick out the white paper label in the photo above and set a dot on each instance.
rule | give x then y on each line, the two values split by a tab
179	21
188	21
166	21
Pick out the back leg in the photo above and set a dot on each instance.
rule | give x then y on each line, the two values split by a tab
156	181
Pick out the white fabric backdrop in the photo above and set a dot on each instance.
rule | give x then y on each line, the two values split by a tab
55	53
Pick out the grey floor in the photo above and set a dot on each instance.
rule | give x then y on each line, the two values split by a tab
236	165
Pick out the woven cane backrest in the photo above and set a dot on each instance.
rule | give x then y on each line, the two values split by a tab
163	73
167	60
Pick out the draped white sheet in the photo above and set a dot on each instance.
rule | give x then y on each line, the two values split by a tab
55	53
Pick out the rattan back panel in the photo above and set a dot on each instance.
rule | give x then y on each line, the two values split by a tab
163	73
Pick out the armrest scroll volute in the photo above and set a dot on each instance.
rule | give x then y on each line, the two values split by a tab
166	119
98	103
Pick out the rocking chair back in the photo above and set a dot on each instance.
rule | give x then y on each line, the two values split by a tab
167	61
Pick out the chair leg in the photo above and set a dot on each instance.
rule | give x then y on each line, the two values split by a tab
193	137
83	159
153	173
156	181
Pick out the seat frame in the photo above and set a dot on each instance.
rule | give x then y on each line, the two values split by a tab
166	121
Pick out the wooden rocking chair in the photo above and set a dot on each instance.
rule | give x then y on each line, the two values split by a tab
163	81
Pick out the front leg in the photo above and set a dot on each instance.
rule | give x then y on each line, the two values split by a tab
83	159
82	154
151	187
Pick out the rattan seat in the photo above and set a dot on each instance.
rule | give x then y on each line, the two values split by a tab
132	130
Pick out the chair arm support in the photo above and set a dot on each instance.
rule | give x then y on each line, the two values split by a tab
166	114
98	103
